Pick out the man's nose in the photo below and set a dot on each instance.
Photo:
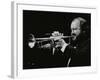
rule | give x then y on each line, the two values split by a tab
72	32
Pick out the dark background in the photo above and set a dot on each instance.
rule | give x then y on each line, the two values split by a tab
40	23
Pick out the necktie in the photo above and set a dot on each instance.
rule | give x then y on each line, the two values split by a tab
58	51
59	58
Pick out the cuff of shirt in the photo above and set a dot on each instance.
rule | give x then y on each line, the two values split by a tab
63	48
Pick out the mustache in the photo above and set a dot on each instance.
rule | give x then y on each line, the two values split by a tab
73	34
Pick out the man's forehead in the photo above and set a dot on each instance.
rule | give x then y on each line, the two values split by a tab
75	23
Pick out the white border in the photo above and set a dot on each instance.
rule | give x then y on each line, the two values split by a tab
17	38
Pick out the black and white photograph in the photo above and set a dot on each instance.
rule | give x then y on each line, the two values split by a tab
49	40
54	39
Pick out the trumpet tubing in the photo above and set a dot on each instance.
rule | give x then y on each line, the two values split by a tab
51	38
47	42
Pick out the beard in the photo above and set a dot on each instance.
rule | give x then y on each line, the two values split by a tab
74	36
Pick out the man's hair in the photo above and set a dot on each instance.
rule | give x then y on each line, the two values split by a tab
83	24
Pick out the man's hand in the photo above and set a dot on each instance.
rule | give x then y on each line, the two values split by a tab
59	42
62	44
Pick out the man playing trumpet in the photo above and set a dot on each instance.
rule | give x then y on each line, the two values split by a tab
75	53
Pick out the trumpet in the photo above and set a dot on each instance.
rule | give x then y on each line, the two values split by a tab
52	38
56	35
47	42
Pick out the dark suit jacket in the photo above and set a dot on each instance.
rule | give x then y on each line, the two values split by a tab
43	58
79	51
